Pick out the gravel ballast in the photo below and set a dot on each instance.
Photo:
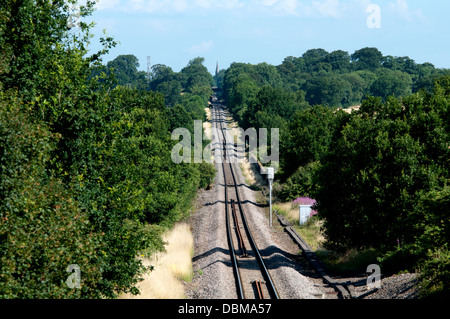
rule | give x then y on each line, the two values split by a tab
294	277
213	274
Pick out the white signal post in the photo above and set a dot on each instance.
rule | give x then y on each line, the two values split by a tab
270	177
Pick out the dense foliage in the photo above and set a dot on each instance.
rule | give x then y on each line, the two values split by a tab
379	174
384	181
86	176
336	79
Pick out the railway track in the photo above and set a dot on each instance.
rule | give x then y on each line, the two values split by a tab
253	280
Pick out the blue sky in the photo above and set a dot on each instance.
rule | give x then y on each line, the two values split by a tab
173	32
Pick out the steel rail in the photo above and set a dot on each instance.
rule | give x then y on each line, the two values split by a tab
269	282
265	271
238	230
258	284
240	289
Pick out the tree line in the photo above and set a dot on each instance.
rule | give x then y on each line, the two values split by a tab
380	175
86	176
336	79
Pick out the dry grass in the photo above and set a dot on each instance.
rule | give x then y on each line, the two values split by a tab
248	173
351	109
352	261
207	123
289	210
170	267
208	113
252	174
310	232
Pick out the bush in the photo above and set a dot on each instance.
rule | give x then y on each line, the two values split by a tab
378	166
207	174
435	264
302	182
384	185
86	175
42	228
435	274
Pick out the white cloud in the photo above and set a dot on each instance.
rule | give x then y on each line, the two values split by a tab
107	4
402	9
328	8
136	5
206	4
144	5
289	6
159	5
200	48
180	5
230	4
312	8
269	2
161	26
277	6
315	8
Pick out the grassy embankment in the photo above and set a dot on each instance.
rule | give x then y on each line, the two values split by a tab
350	262
171	267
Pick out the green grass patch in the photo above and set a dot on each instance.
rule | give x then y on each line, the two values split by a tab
351	262
348	263
311	233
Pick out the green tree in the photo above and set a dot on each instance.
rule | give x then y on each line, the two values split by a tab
196	74
315	60
389	82
171	91
43	228
381	161
125	69
308	136
339	60
41	52
367	59
355	90
301	183
167	82
244	90
218	79
86	173
404	64
328	90
161	73
274	102
432	245
194	105
265	75
291	73
230	78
